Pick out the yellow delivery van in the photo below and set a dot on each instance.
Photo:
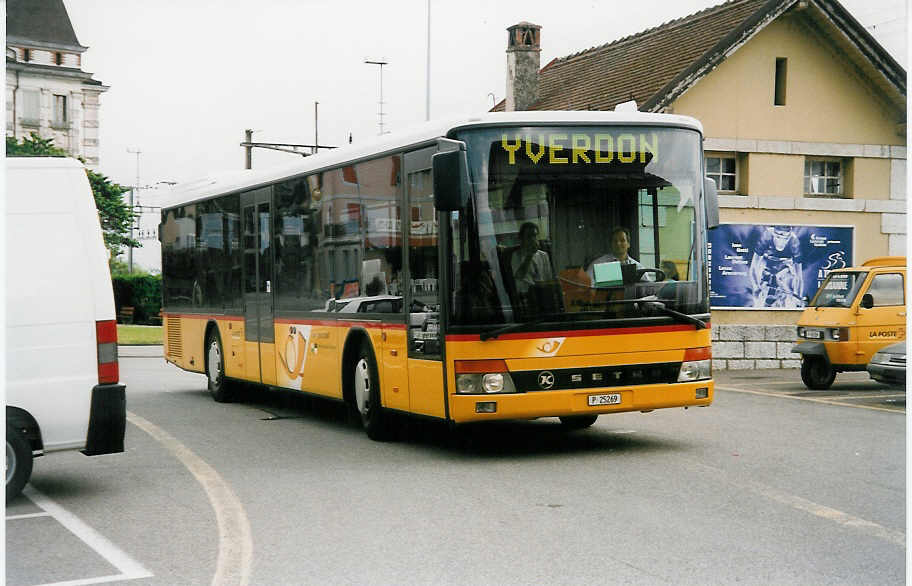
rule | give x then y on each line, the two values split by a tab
856	312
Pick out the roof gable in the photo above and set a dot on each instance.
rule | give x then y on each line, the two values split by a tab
656	66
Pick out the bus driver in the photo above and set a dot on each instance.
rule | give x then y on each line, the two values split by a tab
620	245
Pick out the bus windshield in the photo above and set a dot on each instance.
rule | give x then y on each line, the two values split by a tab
839	289
580	224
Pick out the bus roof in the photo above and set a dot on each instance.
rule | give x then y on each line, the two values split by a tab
416	136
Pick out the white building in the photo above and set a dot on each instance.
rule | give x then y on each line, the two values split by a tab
47	92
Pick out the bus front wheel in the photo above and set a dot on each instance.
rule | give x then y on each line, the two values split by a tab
816	373
577	421
219	386
18	462
367	395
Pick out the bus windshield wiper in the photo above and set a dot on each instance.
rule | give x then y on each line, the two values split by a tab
661	308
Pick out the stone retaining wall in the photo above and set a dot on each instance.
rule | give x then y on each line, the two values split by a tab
742	347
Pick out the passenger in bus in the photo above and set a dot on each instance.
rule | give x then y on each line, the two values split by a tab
529	264
619	242
670	270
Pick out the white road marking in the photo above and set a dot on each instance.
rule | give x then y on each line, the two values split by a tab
128	567
235	552
796	502
28	516
810	399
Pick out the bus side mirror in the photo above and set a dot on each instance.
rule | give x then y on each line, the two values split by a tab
451	180
867	301
711	197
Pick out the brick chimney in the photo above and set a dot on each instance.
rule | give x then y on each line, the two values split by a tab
523	61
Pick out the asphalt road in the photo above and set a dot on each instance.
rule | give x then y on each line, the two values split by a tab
772	484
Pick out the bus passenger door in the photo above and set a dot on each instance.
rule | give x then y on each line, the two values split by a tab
425	367
259	329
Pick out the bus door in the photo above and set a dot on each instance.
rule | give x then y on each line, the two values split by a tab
422	295
259	330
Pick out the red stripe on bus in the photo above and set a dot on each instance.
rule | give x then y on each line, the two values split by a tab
576	333
204	316
340	323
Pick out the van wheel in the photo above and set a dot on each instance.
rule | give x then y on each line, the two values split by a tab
816	374
18	462
574	422
367	395
219	386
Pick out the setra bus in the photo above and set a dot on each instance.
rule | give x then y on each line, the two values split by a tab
509	266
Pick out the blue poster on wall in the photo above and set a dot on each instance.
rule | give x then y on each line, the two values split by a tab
756	266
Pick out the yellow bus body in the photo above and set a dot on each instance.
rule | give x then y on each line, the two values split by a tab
307	356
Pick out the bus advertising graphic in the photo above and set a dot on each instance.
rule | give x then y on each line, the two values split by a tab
773	266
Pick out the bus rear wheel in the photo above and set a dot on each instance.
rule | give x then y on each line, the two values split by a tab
573	422
220	388
817	374
367	395
18	462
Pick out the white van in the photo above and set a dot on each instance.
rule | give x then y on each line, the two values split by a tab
62	376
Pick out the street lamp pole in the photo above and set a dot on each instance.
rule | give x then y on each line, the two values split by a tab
381	64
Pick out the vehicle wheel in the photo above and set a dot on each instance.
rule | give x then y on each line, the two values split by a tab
573	422
18	462
816	374
367	395
219	386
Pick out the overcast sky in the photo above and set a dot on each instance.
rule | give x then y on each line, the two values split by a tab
187	77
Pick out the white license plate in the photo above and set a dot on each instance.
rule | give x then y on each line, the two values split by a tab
609	399
814	334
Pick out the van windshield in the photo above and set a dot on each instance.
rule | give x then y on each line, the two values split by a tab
839	289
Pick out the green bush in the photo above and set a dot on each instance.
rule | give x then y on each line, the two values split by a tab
142	292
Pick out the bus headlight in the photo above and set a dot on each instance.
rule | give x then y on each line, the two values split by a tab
483	377
694	370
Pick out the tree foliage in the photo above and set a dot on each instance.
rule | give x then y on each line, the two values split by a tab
115	215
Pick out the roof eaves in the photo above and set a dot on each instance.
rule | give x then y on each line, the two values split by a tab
33	44
866	44
718	53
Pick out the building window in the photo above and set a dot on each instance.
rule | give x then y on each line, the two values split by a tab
31	107
781	73
26	54
822	177
723	171
60	111
58	58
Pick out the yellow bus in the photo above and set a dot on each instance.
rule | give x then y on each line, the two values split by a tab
509	266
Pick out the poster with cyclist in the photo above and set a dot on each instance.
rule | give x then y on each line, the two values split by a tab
773	266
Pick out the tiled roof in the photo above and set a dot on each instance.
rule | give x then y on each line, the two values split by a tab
639	66
40	22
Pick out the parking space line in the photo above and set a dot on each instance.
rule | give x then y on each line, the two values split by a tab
809	399
28	516
129	568
824	512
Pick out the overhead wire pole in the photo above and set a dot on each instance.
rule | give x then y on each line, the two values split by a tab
427	102
133	193
381	64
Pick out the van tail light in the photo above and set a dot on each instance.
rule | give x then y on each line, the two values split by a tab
106	337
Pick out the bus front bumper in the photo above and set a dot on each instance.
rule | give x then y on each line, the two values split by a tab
477	407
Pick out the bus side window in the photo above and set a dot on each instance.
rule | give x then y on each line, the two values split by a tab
381	265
